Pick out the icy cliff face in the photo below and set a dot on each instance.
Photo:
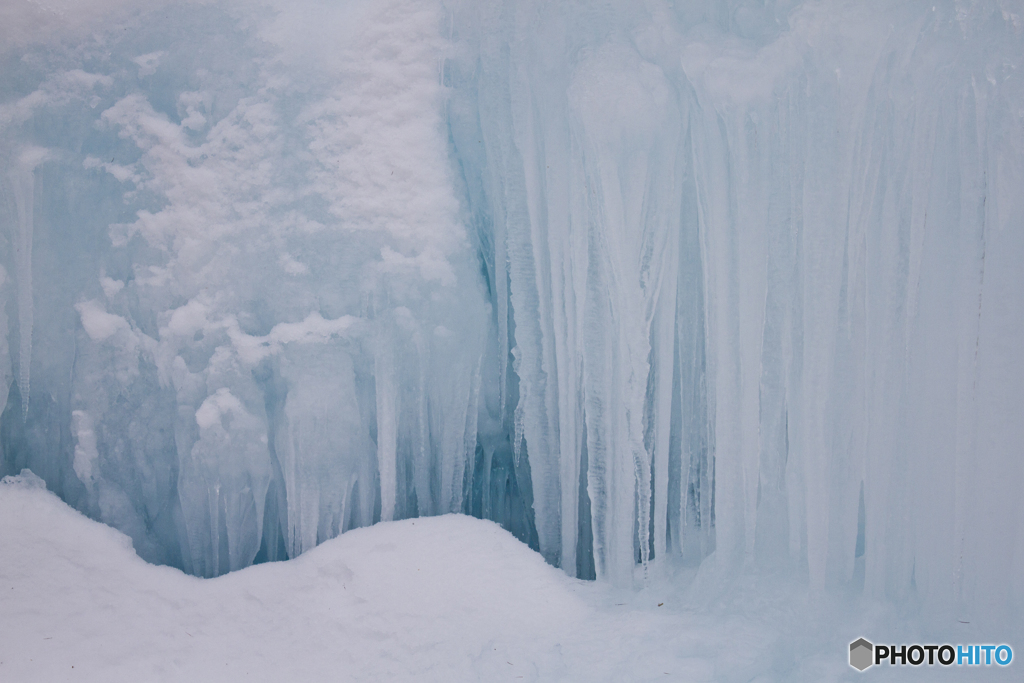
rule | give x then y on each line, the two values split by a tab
737	283
259	317
764	263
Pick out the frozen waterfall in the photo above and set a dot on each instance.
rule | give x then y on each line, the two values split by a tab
729	283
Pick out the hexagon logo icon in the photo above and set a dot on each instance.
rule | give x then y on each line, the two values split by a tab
861	654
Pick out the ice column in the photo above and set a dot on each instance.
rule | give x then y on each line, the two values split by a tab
21	179
5	353
223	484
625	124
583	179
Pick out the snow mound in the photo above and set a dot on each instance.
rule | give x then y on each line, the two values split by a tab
403	599
448	598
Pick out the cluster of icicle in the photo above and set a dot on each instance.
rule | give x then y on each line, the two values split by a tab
764	268
642	281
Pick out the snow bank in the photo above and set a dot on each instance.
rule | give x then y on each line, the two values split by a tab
449	598
441	597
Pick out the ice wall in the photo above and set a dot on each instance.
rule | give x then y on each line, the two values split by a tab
265	319
724	283
751	252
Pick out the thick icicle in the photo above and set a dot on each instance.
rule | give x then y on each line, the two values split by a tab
321	445
21	177
387	429
226	475
6	376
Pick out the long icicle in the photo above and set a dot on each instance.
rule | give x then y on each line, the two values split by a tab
22	179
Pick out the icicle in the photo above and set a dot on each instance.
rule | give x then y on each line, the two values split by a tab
387	429
22	179
5	356
518	425
470	438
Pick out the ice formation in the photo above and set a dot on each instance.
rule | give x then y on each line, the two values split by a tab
733	282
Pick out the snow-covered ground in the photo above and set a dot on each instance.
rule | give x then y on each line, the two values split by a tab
447	598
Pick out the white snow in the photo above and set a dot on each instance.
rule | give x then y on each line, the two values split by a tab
447	598
97	323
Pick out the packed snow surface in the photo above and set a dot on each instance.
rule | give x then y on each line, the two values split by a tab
447	598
